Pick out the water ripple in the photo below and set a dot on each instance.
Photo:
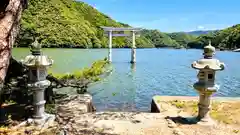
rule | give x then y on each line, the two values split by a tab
157	72
163	75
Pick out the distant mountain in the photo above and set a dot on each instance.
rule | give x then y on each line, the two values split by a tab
200	32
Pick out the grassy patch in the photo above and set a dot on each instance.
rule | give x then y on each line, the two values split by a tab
8	102
226	112
30	130
50	108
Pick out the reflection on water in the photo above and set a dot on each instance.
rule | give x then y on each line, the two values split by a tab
156	72
133	67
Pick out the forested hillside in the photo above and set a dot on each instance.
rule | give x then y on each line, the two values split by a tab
228	38
68	23
159	39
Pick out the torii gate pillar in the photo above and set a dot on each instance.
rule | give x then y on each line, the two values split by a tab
133	54
110	46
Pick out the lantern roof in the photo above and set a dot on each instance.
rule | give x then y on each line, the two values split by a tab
213	64
36	59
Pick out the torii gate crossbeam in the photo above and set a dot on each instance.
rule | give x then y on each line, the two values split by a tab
110	33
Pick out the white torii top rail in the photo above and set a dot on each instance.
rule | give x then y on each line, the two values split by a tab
120	29
121	32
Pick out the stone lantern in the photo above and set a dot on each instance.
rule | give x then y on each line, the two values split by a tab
37	64
206	81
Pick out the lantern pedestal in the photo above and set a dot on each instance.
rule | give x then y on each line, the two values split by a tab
40	117
38	97
204	105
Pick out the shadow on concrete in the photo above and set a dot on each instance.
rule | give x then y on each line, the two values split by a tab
154	107
184	120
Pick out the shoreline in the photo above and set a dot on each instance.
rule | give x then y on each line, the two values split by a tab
217	49
189	98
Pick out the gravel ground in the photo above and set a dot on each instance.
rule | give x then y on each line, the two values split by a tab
119	123
209	130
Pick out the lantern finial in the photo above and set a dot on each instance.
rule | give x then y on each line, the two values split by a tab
35	48
209	42
209	50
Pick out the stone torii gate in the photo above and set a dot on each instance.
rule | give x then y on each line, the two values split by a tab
121	32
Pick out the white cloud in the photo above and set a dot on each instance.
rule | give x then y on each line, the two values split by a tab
190	30
94	6
200	27
150	23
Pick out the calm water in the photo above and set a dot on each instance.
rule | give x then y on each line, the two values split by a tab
157	72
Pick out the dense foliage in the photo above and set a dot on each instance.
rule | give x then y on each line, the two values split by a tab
159	39
224	39
69	23
182	38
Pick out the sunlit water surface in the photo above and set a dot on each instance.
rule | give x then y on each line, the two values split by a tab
157	72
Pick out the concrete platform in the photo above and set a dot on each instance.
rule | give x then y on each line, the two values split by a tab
118	123
75	117
156	107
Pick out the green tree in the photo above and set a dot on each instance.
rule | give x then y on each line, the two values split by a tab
67	23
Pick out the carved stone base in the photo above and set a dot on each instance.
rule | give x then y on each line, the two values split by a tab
41	124
44	122
206	122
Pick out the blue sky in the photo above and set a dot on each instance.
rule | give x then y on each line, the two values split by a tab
172	15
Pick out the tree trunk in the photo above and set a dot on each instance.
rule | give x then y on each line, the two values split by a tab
10	14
